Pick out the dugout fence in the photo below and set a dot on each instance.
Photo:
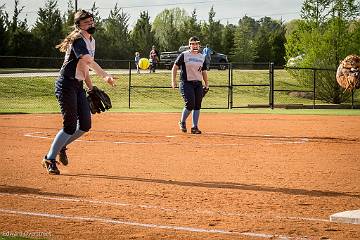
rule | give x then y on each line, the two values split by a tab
29	85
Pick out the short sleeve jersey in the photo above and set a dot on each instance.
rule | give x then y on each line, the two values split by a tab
137	59
206	52
74	68
191	66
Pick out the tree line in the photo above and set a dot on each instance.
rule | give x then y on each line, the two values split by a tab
250	40
327	31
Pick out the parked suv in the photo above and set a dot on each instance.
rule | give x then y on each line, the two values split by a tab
218	60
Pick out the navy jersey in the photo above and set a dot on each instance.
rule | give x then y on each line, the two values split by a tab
191	66
74	68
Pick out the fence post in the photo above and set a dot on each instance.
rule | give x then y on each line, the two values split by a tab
314	87
271	82
230	87
129	84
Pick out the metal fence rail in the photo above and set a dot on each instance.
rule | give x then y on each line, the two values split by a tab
251	77
235	85
312	91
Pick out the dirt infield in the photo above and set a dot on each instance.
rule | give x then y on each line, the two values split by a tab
135	176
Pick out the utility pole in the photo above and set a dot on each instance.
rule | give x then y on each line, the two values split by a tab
75	5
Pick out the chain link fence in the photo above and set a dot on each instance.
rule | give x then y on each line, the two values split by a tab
26	87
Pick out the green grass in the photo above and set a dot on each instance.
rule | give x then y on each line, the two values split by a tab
36	94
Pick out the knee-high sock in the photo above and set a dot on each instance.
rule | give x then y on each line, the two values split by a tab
195	118
58	143
184	115
75	136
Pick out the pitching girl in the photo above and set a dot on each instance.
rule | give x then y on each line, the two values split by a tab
193	70
79	46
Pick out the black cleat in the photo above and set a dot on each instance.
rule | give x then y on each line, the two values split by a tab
63	157
195	130
50	166
182	126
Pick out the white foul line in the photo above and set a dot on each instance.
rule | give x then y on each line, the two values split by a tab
146	225
198	211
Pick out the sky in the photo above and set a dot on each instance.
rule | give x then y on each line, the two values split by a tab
226	10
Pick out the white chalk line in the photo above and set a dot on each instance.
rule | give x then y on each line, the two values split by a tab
146	225
122	204
34	135
301	140
42	136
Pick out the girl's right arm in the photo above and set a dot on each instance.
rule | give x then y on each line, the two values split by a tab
99	71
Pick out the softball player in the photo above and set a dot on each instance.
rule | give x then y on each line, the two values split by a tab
79	46
193	71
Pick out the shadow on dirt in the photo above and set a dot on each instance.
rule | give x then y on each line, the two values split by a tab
224	185
26	190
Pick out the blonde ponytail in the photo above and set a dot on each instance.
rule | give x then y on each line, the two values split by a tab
70	38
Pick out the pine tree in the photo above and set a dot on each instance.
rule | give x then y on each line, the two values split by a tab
48	28
244	42
142	37
4	33
116	36
212	31
227	39
270	39
20	34
190	28
68	17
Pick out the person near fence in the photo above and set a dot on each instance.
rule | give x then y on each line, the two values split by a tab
137	59
207	53
193	71
154	59
79	48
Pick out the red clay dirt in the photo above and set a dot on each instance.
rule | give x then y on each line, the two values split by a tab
136	176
